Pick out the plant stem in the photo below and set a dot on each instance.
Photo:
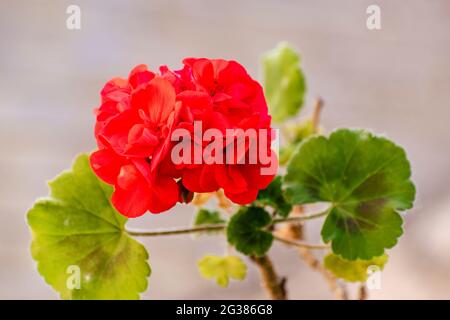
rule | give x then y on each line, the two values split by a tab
339	291
175	231
211	227
362	292
301	218
316	114
300	244
294	231
274	286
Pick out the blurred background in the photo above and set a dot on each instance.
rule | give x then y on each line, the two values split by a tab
395	81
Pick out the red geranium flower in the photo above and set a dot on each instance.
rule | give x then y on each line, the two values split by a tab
133	129
138	116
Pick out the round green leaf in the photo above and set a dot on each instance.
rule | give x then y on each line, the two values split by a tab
245	231
353	270
222	268
273	196
366	180
79	241
284	83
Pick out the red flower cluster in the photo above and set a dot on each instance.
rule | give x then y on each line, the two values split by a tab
138	116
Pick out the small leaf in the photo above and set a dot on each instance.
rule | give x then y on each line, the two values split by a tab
222	268
299	130
353	271
76	228
366	180
205	216
284	83
273	196
245	231
295	133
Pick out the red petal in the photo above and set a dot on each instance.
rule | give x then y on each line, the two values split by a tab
157	100
200	179
229	177
131	202
141	141
242	198
131	194
164	194
115	90
106	165
203	73
140	75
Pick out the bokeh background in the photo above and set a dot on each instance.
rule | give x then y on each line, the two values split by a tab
395	81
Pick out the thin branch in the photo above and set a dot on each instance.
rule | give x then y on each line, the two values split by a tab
339	291
301	244
362	292
294	231
301	218
274	286
175	231
211	227
316	114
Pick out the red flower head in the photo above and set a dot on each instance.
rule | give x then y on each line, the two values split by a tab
139	117
133	128
221	95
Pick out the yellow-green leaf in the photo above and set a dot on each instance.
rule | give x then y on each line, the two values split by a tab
222	268
79	241
353	270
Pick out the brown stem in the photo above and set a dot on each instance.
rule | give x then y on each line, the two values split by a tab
294	231
362	292
300	244
274	286
316	114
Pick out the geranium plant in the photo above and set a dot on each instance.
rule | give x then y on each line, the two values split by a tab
206	134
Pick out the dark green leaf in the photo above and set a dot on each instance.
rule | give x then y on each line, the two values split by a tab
366	180
245	231
273	196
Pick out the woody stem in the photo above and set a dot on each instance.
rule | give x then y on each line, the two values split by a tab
318	105
274	286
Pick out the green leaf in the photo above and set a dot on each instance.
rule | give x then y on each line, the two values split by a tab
284	83
366	180
353	271
205	216
77	229
273	196
295	133
245	231
222	268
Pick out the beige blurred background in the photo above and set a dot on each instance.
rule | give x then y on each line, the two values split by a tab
394	81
